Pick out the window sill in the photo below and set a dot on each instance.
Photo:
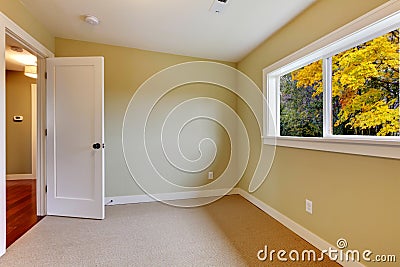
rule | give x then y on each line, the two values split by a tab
348	145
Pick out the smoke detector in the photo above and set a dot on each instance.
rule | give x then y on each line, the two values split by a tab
92	20
218	6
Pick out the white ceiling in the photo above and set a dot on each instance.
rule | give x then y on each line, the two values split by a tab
184	27
17	60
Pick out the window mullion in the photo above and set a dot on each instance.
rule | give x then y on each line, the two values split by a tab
327	97
271	110
278	109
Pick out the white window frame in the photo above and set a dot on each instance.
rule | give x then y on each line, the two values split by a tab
373	24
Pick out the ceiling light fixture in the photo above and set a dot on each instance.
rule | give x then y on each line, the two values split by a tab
92	20
31	71
16	49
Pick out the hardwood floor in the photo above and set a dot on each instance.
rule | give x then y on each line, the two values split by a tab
21	208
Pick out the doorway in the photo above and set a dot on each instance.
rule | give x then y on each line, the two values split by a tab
46	151
11	29
21	139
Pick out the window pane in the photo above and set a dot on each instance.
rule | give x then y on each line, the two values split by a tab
365	88
301	106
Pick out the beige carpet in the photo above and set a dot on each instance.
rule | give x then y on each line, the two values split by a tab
229	232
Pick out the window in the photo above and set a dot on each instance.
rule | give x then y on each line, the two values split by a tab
301	106
365	88
339	92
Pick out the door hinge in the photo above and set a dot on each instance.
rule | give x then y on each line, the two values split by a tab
45	132
45	189
45	75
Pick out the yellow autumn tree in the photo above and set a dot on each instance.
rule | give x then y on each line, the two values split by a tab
365	86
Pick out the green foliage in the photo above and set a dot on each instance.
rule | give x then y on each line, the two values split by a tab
300	111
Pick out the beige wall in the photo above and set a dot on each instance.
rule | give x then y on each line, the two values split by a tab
16	11
18	134
354	197
125	70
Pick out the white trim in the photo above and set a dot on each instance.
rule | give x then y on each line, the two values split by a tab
384	149
33	128
20	177
369	26
41	138
134	199
7	26
310	237
2	141
327	95
21	35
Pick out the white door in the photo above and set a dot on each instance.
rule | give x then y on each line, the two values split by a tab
75	137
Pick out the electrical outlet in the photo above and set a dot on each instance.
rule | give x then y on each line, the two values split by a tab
210	175
309	206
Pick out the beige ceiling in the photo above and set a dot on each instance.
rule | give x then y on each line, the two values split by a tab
184	27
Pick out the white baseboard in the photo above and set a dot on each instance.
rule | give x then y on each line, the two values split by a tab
310	237
118	200
20	176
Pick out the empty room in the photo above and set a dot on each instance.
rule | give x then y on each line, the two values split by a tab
200	133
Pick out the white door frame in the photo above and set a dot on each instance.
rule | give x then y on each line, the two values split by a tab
34	127
7	26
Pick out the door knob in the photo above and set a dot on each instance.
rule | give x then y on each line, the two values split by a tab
96	146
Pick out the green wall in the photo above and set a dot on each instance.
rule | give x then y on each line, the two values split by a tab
125	70
354	197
